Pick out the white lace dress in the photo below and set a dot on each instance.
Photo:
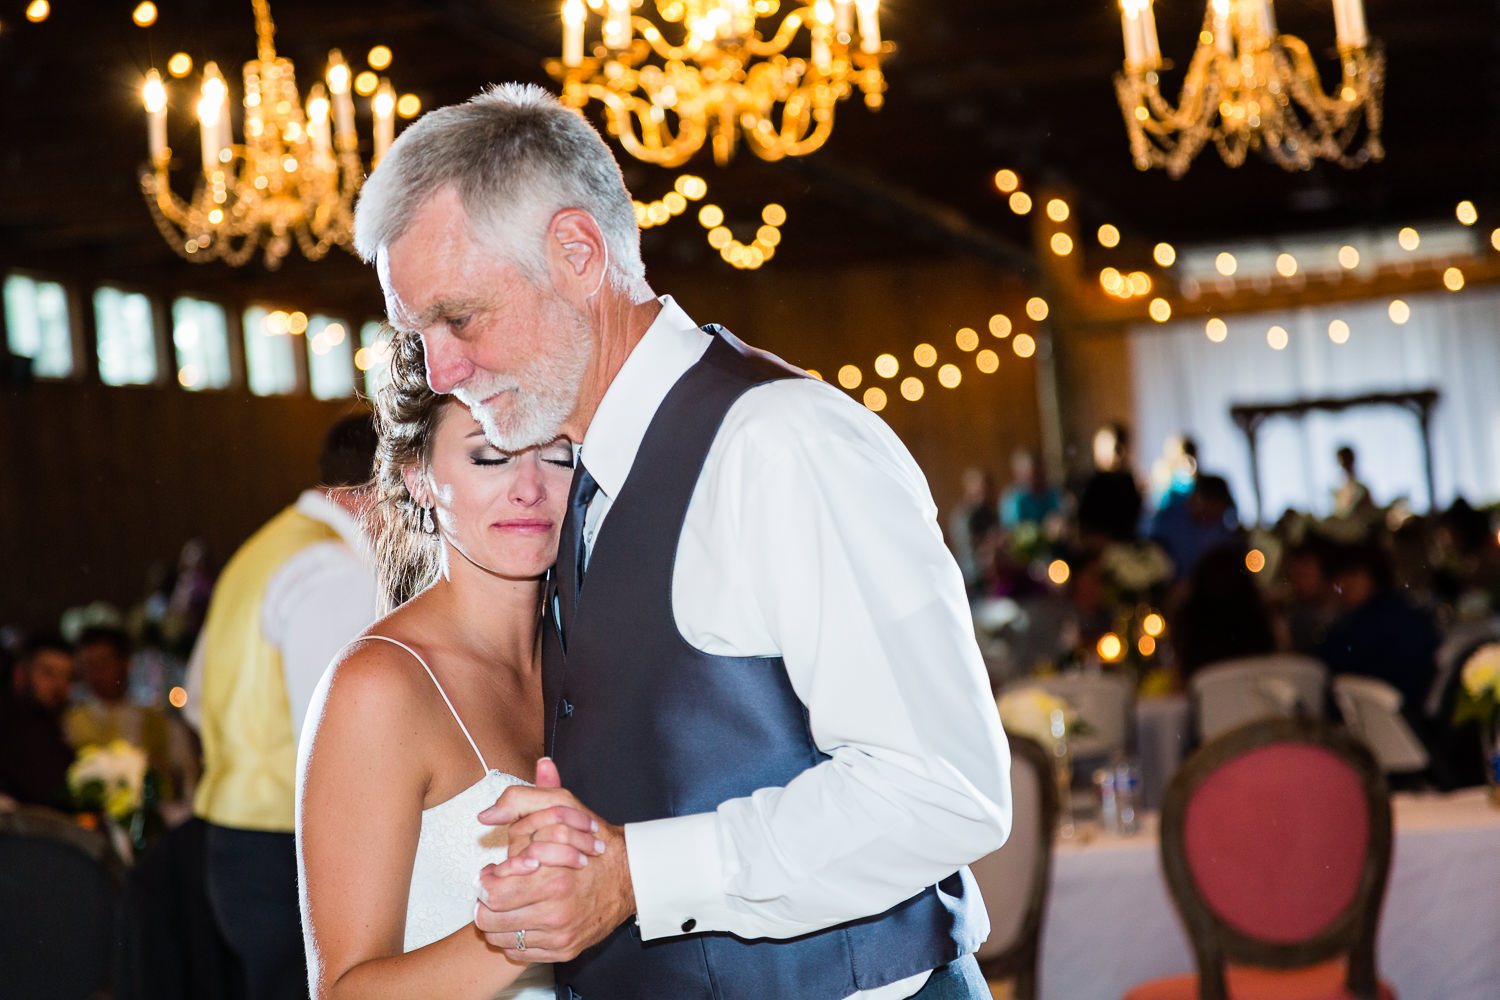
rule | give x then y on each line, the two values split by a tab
451	850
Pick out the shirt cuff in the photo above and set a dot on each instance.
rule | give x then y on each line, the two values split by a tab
678	875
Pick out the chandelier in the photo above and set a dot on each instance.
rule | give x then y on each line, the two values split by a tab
1248	87
727	75
294	177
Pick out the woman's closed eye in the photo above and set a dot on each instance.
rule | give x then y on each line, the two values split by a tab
489	456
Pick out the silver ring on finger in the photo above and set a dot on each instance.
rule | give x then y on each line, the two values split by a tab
520	940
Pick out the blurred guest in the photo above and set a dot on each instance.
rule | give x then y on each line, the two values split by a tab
1028	499
1308	599
1381	633
286	603
1191	524
192	587
972	524
103	659
1175	470
1109	505
1222	615
34	753
1351	497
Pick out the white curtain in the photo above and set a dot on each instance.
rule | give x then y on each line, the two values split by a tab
1185	383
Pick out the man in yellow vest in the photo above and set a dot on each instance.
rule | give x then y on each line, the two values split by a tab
288	600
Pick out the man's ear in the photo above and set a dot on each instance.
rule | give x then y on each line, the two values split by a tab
576	252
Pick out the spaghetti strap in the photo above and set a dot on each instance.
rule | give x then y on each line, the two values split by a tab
418	658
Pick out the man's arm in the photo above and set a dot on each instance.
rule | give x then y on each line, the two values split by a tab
817	518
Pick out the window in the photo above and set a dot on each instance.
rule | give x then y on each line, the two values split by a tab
127	342
330	357
374	356
36	321
202	342
270	365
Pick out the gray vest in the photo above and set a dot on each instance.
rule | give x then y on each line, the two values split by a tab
644	726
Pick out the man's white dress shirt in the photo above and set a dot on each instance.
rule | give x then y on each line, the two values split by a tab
812	536
319	599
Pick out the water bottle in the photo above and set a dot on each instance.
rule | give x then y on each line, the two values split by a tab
1109	811
1128	796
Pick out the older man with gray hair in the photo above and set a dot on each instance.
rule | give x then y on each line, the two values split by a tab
767	694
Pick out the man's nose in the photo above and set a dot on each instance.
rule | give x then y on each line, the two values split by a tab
447	368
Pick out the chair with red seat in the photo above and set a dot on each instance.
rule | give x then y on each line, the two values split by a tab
1276	844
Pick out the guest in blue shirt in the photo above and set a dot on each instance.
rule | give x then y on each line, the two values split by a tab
1028	500
1189	526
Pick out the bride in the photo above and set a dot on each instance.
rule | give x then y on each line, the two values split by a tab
429	715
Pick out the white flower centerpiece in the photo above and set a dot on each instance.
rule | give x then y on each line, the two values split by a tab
114	781
1479	701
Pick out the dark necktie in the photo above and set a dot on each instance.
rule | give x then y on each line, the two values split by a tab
570	550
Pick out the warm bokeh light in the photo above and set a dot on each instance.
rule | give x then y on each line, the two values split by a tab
674	202
1338	332
949	376
850	377
177	697
1036	308
187	376
153	94
1286	265
875	398
924	355
710	216
1225	264
911	388
1110	647
815	374
1000	325
773	215
1007	181
379	57
987	361
362	359
180	65
966	339
408	105
38	10
333	333
1255	560
1153	624
1057	210
1278	338
1058	572
1348	257
1020	203
1164	254
1453	279
1024	345
1139	282
1408	239
1217	330
277	323
1146	645
1495	239
1160	310
1062	244
1109	236
1399	311
719	237
886	365
1113	282
1466	213
144	15
691	186
365	83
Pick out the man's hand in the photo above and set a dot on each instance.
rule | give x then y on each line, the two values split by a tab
566	880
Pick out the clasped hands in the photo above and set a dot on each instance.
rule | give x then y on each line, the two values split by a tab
565	880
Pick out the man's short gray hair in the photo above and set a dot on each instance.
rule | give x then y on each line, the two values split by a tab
515	155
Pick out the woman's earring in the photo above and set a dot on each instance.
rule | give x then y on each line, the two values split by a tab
429	520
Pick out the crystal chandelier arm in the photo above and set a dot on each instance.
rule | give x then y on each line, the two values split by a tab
785	32
625	111
658	43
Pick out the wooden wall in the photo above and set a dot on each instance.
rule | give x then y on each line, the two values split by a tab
100	482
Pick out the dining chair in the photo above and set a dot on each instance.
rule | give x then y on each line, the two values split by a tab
1371	710
1014	880
1103	702
58	892
1276	845
1232	692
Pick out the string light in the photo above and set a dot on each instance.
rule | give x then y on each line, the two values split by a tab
1286	265
1399	312
966	339
850	377
1225	264
144	15
1109	236
379	57
875	398
1024	345
1255	560
987	361
1006	181
1058	572
1000	325
1057	210
886	366
1408	239
1453	279
949	376
925	355
180	65
1277	337
1062	244
1160	310
1164	254
1466	213
911	389
1020	202
1036	308
1348	257
1338	332
1217	330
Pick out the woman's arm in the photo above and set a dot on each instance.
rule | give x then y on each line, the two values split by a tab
361	780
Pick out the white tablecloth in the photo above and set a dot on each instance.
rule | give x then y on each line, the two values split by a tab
1111	925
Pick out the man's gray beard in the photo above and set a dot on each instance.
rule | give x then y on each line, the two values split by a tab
537	401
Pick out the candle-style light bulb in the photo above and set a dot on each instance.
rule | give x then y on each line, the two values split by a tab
213	117
869	24
383	107
154	96
572	15
317	120
342	101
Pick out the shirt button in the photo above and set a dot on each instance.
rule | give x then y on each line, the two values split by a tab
688	924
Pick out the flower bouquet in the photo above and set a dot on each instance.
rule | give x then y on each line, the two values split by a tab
1479	701
114	782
